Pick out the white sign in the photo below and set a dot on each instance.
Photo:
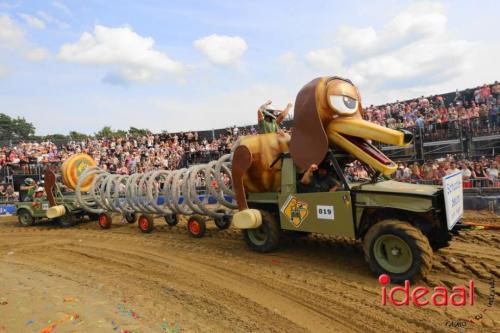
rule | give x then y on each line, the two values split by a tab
325	212
453	198
45	206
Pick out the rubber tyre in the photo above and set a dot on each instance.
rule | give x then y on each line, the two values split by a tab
25	218
67	220
265	238
105	220
130	217
171	220
418	244
197	226
223	222
146	223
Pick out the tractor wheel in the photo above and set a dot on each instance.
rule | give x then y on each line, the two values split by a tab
266	237
130	217
223	222
105	220
197	226
25	218
146	223
67	220
398	249
171	219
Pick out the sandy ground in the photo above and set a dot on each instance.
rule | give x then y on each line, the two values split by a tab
85	279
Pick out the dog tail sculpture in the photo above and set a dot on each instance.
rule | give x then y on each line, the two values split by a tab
328	112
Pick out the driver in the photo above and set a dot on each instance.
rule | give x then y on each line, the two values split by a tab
319	179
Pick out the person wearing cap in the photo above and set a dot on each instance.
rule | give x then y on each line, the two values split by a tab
269	118
29	187
318	179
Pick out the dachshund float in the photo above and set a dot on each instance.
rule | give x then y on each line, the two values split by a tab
328	112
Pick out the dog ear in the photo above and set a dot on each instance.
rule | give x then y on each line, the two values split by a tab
309	143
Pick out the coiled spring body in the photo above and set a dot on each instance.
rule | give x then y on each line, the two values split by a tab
160	192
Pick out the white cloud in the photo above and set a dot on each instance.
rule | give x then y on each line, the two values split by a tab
32	21
36	54
330	59
414	49
129	55
13	38
221	50
50	19
61	6
11	35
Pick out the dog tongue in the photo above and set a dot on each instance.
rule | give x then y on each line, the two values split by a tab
369	149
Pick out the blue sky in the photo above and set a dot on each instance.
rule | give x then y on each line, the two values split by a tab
181	65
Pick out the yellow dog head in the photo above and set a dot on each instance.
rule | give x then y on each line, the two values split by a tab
328	111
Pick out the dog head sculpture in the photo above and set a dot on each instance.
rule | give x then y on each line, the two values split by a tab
328	111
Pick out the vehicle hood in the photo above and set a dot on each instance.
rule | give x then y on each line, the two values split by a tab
392	186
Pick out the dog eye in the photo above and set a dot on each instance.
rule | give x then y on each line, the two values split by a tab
349	102
343	104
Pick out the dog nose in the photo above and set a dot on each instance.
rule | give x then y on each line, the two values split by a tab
407	136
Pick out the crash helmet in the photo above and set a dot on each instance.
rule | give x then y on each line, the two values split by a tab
29	181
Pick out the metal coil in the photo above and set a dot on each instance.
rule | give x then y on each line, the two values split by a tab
141	192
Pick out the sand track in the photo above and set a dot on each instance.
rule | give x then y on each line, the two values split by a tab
214	284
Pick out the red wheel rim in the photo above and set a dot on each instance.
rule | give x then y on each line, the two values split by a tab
194	227
143	223
103	220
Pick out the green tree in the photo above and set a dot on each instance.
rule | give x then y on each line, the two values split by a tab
17	129
23	129
56	137
5	127
105	132
77	136
138	131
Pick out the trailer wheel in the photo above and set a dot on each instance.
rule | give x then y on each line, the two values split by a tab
67	220
146	223
130	217
223	222
398	249
171	219
197	226
265	238
105	220
25	218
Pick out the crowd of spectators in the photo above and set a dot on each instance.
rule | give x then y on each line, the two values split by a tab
476	108
481	173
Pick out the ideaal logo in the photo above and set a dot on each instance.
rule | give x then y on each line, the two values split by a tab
439	296
295	210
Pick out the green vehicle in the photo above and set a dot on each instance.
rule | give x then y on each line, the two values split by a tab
399	224
30	212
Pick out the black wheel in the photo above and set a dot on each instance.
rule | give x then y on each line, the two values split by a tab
197	226
25	218
105	220
398	249
130	217
146	223
171	219
68	219
265	238
223	222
